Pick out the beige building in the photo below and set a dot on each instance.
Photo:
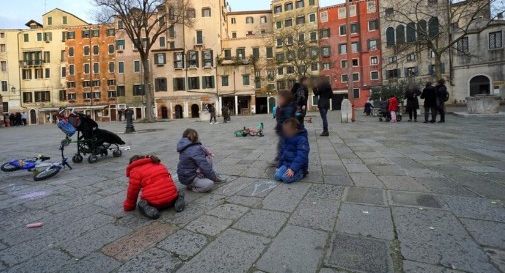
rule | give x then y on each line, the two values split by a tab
34	59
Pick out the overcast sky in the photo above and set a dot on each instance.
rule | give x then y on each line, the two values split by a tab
16	13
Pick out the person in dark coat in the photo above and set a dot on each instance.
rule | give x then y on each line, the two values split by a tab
294	156
212	112
430	103
300	93
442	96
368	108
285	110
412	102
194	169
325	94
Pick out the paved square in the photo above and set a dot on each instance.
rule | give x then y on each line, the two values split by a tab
403	198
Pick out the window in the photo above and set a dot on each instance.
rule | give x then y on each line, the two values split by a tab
374	75
2	48
190	13
120	91
39	37
280	70
95	33
111	49
355	93
160	58
86	50
120	44
96	68
392	59
233	21
313	36
343	63
42	96
344	78
199	37
179	84
86	68
206	12
3	66
111	32
70	35
111	94
326	51
27	97
411	57
433	27
39	73
462	46
178	60
390	36
300	20
371	6
495	40
63	95
278	24
263	19
256	53
290	69
411	32
192	59
112	67
241	53
111	82
354	28
343	30
288	6
71	52
393	73
400	34
312	17
26	37
138	90
4	86
208	82
342	48
26	74
288	22
49	20
410	71
355	62
225	81
234	34
325	33
270	52
342	13
422	29
326	66
277	9
193	83
120	67
300	4
208	59
373	45
47	57
355	77
249	20
71	69
47	73
373	25
136	66
96	50
389	12
355	47
352	10
160	85
245	80
281	85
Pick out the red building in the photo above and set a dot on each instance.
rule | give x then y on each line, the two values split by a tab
350	49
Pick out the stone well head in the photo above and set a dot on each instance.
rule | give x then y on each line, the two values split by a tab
483	104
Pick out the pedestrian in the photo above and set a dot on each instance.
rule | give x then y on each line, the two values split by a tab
24	118
412	102
19	121
368	108
7	122
12	119
442	97
430	103
294	156
152	179
325	94
300	93
393	107
212	111
286	109
194	169
226	113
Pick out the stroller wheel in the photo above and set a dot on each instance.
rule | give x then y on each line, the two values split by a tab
117	153
92	159
77	158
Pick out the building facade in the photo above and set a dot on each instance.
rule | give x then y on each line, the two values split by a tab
350	49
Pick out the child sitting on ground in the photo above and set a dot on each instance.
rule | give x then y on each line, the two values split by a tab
294	155
195	167
148	175
284	111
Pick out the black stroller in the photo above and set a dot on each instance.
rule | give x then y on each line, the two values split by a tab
385	115
92	140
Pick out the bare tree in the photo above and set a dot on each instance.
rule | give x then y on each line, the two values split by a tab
435	26
144	21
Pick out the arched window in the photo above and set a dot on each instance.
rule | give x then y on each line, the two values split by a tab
411	32
433	27
400	34
422	30
249	20
390	36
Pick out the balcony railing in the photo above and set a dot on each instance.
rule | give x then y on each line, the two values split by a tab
32	63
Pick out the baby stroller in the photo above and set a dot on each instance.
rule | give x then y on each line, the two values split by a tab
90	139
385	115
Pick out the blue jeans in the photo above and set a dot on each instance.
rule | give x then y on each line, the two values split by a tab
324	117
280	175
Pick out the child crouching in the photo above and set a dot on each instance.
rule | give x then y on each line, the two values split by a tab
148	175
294	154
195	167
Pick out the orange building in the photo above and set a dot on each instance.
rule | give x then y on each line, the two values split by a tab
90	56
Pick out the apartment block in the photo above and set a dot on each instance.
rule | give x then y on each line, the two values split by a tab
350	52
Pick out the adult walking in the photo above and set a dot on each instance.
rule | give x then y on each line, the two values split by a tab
300	93
442	97
325	94
212	112
412	102
430	103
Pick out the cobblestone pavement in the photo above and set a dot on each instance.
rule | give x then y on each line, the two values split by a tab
380	198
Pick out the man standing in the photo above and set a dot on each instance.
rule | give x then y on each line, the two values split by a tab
212	111
325	94
301	93
442	96
412	102
23	118
430	103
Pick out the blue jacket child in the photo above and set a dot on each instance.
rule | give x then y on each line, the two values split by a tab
294	154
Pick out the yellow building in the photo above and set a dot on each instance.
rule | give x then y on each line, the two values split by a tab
35	64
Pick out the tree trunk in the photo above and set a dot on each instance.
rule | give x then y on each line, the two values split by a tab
438	66
148	90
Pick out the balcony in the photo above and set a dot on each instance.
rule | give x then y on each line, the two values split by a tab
31	63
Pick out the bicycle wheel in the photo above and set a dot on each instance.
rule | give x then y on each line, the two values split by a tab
47	173
8	167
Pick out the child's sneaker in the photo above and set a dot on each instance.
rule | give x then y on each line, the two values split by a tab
220	180
179	203
147	210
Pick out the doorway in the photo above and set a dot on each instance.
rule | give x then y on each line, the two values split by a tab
138	113
178	112
164	112
195	111
271	102
336	102
33	116
230	102
261	105
480	85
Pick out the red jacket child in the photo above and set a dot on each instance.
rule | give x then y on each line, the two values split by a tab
152	177
393	104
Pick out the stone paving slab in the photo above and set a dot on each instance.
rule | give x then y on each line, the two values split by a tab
185	244
263	222
486	233
320	214
209	225
153	260
285	197
364	220
365	196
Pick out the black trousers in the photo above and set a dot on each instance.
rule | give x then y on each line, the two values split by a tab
441	111
427	111
412	113
213	117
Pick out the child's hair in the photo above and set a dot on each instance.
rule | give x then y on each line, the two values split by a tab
153	158
287	95
292	123
191	134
